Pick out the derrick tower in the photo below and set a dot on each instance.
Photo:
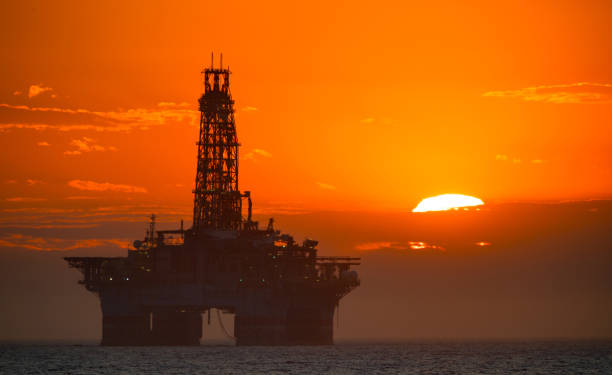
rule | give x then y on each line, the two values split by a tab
217	200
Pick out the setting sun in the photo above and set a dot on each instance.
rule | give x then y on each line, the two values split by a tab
446	202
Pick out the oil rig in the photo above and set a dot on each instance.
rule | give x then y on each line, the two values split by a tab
280	292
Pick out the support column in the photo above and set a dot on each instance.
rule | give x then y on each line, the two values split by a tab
124	321
310	326
123	330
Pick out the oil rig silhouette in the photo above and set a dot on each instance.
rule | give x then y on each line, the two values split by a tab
280	291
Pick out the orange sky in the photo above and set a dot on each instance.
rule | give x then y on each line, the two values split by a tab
342	106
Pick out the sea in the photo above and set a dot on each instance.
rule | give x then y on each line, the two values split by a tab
428	357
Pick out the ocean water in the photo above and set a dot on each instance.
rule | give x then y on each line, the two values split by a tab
554	357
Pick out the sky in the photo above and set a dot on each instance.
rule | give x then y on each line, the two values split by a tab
360	109
339	106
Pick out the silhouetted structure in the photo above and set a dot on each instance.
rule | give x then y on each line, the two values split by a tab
281	292
217	203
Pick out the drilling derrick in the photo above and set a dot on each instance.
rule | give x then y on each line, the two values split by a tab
217	201
280	291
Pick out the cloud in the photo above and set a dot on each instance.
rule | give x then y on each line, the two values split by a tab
261	152
174	105
517	160
43	144
582	92
505	158
376	245
37	90
58	244
281	207
82	145
25	199
379	121
30	181
325	186
420	245
105	186
49	226
394	245
65	128
86	144
24	215
17	93
121	120
256	154
95	242
501	157
80	197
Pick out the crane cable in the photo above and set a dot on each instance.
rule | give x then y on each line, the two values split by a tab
223	327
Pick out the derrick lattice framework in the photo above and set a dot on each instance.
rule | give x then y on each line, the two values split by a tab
217	201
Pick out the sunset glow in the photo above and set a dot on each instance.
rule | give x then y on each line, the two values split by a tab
446	202
420	245
420	173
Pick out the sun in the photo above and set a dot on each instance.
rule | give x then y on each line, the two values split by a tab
446	202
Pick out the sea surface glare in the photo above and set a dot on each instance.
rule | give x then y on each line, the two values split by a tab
558	357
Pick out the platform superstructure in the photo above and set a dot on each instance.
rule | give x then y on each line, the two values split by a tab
281	291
